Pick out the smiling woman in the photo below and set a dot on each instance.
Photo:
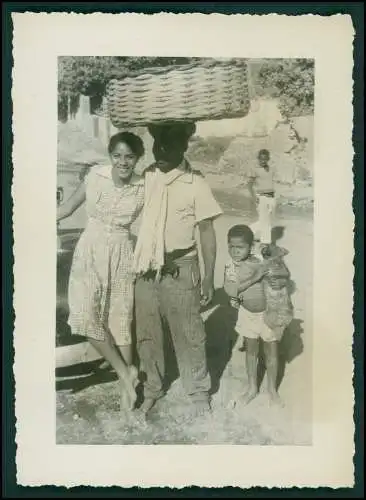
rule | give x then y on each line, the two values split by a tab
100	289
124	150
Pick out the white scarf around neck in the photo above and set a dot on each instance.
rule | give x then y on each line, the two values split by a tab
150	245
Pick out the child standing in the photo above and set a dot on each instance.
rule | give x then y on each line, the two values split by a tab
243	283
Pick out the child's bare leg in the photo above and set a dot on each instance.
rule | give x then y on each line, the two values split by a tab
271	357
252	349
109	351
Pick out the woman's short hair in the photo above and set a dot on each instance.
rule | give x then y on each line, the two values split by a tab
134	142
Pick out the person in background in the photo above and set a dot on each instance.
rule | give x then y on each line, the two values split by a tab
261	186
101	280
168	287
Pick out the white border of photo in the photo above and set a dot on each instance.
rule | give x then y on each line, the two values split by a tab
38	40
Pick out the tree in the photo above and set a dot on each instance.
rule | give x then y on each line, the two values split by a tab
290	80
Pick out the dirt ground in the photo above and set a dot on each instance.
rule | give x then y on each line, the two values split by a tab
87	402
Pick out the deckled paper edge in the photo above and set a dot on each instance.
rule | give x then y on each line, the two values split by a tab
39	460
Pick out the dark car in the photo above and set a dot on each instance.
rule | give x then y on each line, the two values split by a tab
68	239
70	348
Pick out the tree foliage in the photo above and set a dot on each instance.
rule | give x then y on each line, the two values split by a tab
291	81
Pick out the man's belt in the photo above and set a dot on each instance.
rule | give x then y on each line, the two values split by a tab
269	194
179	253
170	267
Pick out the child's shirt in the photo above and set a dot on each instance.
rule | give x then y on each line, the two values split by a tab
263	180
236	273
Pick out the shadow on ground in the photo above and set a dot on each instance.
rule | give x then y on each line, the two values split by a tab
221	339
77	378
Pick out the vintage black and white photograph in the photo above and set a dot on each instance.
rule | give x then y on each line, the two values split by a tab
184	250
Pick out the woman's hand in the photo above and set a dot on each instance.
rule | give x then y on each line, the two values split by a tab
72	204
60	215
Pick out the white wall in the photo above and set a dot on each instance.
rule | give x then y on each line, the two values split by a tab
101	128
261	120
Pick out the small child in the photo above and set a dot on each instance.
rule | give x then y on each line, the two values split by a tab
243	282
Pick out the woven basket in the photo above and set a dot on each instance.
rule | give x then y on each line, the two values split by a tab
199	91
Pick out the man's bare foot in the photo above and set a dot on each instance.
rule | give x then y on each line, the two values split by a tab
199	409
247	397
193	411
275	400
147	405
140	418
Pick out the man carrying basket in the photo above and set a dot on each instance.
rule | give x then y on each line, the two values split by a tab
177	202
168	286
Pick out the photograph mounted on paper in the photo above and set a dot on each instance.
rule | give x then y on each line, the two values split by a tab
184	251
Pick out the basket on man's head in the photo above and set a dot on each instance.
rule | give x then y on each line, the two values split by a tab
202	90
171	142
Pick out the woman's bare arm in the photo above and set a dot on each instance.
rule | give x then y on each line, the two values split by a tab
73	203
